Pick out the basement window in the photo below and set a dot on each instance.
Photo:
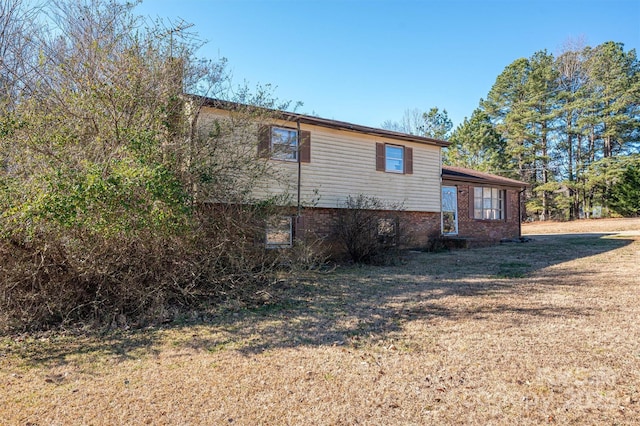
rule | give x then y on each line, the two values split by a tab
279	233
387	231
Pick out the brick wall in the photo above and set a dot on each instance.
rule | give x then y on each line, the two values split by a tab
487	231
416	228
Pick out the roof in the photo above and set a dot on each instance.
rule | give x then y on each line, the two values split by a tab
333	124
467	175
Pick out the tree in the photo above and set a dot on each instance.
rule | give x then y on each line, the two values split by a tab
476	144
571	80
625	193
542	92
613	87
412	123
16	24
506	105
433	123
437	124
108	167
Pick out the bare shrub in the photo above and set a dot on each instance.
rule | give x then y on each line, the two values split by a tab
369	230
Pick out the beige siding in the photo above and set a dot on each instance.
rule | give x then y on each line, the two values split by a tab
344	163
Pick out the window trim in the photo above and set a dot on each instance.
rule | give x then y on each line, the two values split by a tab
501	204
291	148
381	158
387	148
265	145
455	212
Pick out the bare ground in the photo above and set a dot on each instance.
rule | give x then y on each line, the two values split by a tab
544	332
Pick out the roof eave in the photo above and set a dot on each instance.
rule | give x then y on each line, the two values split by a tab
333	124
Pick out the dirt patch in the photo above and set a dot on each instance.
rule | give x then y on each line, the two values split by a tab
530	333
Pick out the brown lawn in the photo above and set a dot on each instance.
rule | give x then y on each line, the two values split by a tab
544	332
579	226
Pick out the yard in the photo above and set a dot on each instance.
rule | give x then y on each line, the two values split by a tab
534	333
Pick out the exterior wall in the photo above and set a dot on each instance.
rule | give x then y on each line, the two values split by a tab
343	163
480	231
417	228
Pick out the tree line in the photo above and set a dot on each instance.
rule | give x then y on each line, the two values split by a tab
567	124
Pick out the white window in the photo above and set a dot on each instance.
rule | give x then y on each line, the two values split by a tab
279	232
284	144
394	157
488	203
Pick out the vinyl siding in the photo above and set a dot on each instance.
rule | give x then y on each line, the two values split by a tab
343	163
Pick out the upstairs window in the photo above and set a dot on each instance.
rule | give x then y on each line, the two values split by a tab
488	203
284	144
394	158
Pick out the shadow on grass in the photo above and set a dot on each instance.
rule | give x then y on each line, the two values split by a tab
361	303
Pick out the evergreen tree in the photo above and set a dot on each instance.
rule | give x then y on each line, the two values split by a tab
625	194
436	124
507	105
612	98
476	144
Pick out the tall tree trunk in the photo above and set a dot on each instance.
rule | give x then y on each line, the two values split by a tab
578	172
545	173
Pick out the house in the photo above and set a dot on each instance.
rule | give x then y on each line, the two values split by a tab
480	207
326	161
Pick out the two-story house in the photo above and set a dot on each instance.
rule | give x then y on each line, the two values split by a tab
326	161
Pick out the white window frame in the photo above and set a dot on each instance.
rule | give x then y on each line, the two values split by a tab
279	225
387	157
283	143
488	203
454	211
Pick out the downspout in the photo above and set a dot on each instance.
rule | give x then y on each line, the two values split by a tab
440	192
299	206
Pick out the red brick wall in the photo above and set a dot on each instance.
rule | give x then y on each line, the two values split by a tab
416	227
487	231
420	227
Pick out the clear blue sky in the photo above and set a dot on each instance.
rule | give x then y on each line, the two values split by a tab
368	61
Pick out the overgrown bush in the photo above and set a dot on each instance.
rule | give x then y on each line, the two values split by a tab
369	230
119	200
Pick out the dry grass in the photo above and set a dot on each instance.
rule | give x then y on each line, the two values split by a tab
534	333
578	226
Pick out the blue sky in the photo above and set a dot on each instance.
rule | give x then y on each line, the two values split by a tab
368	61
